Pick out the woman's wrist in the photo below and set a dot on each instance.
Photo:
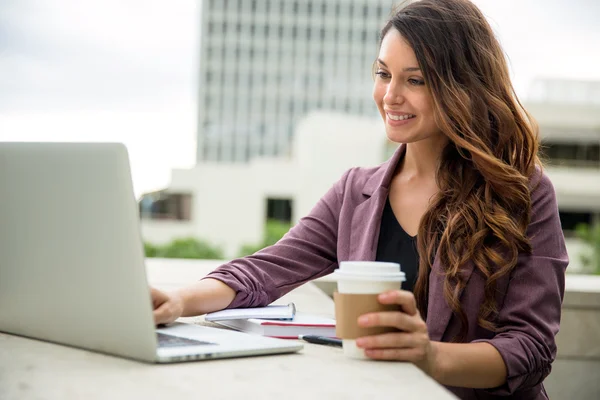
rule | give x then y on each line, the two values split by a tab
435	362
473	365
431	364
206	295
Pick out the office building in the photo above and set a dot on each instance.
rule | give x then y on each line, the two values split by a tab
263	64
568	114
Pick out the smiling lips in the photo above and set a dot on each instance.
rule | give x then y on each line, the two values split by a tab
400	117
397	119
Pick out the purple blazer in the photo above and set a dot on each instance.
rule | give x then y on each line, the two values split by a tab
344	225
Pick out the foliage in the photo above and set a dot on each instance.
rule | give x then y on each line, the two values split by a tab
591	236
151	250
274	230
185	248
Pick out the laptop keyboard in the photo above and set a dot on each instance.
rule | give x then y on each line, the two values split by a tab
177	341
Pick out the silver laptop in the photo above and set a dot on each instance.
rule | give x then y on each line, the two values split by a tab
72	262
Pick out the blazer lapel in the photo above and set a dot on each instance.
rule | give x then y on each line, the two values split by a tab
366	219
366	222
438	309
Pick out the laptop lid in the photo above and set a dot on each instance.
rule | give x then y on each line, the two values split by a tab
71	255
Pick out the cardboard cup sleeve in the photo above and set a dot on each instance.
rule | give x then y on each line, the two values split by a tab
348	307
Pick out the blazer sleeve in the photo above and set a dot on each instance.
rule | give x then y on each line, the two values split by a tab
306	252
530	316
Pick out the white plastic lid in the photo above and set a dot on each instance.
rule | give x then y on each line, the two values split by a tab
369	276
370	267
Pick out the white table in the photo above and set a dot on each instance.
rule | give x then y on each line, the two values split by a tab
31	369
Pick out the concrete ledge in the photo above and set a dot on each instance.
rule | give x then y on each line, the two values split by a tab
573	380
582	291
579	336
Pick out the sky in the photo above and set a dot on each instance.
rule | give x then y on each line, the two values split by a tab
125	70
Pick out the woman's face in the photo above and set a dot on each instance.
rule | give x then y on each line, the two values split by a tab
401	93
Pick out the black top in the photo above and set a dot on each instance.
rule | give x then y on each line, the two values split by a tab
395	245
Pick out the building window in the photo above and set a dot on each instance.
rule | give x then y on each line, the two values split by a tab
279	209
166	206
569	220
572	154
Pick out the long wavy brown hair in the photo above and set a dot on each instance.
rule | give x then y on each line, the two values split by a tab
482	209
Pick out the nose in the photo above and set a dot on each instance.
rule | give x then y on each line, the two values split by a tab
394	94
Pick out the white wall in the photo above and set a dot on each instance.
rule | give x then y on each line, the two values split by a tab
326	145
229	200
162	232
577	189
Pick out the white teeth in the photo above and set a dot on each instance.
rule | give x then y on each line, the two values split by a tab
400	117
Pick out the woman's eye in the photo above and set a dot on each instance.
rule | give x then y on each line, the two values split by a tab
382	74
416	82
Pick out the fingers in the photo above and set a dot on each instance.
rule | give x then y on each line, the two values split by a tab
396	319
164	310
395	346
388	340
165	314
404	298
161	315
412	354
158	297
411	344
398	341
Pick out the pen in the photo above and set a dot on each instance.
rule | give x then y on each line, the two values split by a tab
321	340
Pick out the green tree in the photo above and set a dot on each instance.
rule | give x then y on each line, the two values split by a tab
185	248
590	234
274	230
151	250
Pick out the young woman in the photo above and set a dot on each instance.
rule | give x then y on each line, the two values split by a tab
463	204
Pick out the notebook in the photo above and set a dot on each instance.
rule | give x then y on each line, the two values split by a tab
302	324
277	312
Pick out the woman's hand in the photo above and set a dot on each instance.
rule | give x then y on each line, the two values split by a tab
411	344
167	306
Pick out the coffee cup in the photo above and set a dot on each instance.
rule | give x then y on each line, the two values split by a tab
359	284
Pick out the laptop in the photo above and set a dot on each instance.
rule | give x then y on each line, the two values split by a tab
72	261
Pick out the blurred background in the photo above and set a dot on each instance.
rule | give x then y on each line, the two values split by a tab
239	114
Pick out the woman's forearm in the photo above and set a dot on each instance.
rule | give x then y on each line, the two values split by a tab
473	365
205	296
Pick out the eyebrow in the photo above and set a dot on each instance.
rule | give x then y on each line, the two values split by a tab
409	69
